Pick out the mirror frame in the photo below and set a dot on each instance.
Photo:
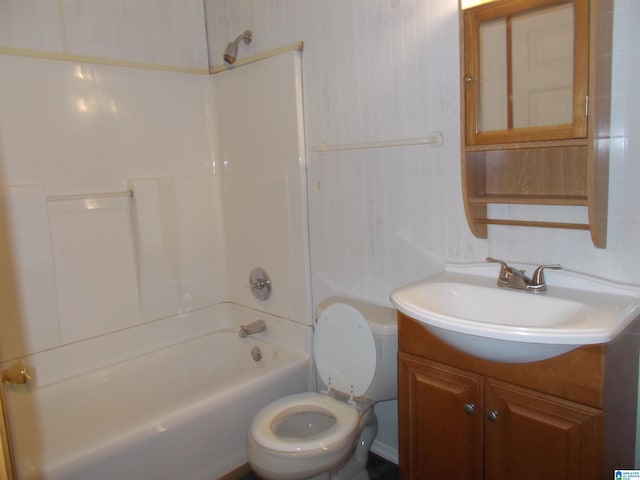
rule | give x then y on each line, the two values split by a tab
472	18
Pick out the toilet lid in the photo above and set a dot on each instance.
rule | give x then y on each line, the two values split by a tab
344	350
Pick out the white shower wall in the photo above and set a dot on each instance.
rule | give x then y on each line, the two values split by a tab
260	157
82	257
72	129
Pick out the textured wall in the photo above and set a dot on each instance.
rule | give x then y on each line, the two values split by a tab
386	69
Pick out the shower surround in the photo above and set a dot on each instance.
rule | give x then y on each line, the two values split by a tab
132	197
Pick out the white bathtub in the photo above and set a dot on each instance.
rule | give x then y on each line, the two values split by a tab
169	400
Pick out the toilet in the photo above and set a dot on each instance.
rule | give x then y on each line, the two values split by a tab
327	434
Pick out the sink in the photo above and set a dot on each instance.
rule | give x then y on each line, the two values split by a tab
464	307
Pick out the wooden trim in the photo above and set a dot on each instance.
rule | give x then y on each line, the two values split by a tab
473	177
531	134
509	48
601	38
577	200
581	62
115	62
574	142
6	454
530	223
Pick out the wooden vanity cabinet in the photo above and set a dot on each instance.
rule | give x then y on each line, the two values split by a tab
466	418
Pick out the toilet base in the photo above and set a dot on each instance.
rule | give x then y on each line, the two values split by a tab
356	467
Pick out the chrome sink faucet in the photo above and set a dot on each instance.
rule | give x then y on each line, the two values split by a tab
513	278
254	327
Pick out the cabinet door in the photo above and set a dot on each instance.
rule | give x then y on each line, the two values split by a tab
440	421
530	435
525	71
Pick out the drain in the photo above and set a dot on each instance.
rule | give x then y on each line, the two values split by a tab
256	353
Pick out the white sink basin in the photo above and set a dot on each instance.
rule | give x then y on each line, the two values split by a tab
465	308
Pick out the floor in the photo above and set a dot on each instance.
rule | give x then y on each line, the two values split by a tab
378	468
381	469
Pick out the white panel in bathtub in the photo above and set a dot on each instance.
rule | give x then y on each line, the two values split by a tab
89	128
29	319
95	268
200	242
260	147
264	236
154	224
179	244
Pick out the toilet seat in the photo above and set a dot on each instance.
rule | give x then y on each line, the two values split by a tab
340	434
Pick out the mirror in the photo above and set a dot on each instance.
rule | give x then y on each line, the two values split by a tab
525	71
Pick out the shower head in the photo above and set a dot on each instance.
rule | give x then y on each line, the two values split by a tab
231	52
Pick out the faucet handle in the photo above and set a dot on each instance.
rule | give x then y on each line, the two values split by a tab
502	263
507	274
537	279
505	269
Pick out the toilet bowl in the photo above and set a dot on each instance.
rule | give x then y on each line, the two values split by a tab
327	434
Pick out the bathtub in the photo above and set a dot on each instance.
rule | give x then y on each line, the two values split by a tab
168	400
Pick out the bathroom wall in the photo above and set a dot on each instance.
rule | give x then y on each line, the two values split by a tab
387	69
166	33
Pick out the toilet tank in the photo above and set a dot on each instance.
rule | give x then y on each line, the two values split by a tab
383	323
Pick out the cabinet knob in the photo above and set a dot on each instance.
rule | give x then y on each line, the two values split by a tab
492	416
469	408
468	79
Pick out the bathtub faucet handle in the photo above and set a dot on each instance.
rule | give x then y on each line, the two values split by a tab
260	283
254	327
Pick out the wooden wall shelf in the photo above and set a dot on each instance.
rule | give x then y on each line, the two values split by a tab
541	165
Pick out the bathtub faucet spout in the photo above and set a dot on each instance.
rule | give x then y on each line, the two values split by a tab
254	327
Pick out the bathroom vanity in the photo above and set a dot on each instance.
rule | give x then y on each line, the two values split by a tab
572	416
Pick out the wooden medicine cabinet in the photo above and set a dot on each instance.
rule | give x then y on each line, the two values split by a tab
535	110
